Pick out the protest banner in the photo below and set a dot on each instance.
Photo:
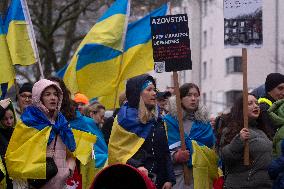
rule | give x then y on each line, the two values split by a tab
171	43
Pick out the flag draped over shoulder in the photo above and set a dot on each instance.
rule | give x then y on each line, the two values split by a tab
94	152
20	34
95	65
203	159
127	135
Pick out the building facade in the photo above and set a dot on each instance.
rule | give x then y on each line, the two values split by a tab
218	70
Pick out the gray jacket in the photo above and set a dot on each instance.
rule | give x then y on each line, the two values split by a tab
237	175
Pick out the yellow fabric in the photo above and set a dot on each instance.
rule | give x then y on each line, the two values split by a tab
89	172
7	72
101	76
205	170
19	43
122	144
26	152
3	182
137	60
108	101
108	32
264	100
84	145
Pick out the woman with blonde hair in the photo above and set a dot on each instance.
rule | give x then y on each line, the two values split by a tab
138	136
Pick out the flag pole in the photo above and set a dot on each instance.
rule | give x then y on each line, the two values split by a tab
32	36
123	47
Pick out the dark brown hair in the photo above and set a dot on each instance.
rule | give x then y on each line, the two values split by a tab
234	121
186	87
67	106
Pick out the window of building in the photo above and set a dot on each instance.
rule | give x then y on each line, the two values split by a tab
231	96
204	98
204	39
210	68
205	6
204	70
233	64
211	36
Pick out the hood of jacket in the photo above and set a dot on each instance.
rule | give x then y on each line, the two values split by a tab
276	112
133	88
201	114
37	91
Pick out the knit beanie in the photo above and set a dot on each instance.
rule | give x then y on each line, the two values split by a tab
26	87
81	98
273	80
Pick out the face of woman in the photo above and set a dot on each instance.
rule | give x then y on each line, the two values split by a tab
149	95
253	107
191	100
8	119
50	98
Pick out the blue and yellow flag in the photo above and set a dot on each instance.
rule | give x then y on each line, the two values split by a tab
203	160
127	135
7	72
95	65
20	34
137	56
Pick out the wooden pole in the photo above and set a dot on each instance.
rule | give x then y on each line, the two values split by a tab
181	128
245	102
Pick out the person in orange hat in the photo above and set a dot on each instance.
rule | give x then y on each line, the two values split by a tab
82	101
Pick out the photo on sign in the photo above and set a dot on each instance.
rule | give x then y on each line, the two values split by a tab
160	67
243	24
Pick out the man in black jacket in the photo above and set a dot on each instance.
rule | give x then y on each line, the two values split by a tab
274	88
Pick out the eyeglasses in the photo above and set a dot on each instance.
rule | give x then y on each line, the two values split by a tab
26	97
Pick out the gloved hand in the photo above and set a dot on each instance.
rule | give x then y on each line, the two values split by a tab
181	156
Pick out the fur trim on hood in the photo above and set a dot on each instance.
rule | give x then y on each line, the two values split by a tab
37	91
201	114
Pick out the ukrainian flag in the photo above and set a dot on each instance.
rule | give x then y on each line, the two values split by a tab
127	135
7	71
138	52
92	149
95	65
20	34
137	56
203	160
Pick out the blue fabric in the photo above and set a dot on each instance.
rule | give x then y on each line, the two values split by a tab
34	117
276	172
139	32
3	90
127	118
146	84
200	132
118	7
15	12
95	53
86	124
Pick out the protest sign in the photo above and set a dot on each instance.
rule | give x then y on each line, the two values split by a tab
170	42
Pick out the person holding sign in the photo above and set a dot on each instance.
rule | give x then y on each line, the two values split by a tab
233	137
138	137
199	139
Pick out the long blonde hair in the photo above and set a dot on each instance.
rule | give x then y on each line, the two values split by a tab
144	113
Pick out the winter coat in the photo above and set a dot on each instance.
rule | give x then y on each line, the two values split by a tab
36	126
276	169
140	144
264	114
237	175
197	129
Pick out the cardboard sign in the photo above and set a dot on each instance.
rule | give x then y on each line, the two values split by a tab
243	23
170	42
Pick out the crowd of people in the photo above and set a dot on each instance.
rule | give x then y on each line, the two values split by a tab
50	136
